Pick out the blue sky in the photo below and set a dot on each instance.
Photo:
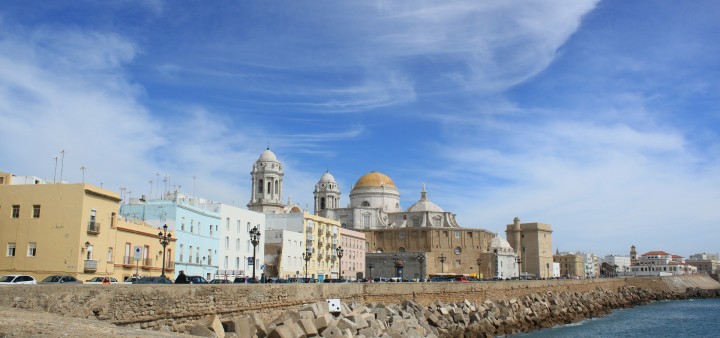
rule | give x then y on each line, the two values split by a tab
600	118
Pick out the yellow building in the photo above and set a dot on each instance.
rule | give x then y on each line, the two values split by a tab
322	238
69	229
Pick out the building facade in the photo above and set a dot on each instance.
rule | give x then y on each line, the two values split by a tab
661	263
620	264
72	229
320	236
572	265
195	223
235	248
533	244
284	251
353	260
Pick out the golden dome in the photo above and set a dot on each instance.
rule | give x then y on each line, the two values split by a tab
374	179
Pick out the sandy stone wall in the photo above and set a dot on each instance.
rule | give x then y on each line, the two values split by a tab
154	305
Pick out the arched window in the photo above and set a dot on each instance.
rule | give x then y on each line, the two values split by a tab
402	249
322	203
365	204
416	221
277	184
260	185
269	187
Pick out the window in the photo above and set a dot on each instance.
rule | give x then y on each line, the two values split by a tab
126	259
32	249
227	244
227	225
237	263
190	255
192	226
238	226
366	221
93	215
11	249
110	255
36	211
15	211
457	234
416	221
365	204
402	234
248	227
181	252
237	244
182	224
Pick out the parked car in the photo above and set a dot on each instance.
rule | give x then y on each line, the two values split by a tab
196	280
61	280
17	279
153	280
103	280
131	279
242	280
220	281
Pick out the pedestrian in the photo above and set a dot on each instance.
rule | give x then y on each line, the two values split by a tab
181	278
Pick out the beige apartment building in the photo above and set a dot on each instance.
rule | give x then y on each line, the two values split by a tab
71	229
533	244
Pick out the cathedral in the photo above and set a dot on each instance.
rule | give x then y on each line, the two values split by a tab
416	242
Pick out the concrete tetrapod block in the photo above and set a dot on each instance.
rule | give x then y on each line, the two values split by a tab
308	327
322	322
213	323
332	331
201	331
259	325
245	327
345	323
282	331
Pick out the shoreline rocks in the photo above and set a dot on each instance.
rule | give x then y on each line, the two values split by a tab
438	320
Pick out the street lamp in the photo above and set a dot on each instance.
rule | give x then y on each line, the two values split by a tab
255	240
479	263
306	257
164	238
442	263
399	263
370	265
421	260
518	261
340	251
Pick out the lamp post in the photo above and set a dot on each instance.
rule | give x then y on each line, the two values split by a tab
306	257
164	238
255	240
421	260
442	263
340	251
370	265
518	261
479	263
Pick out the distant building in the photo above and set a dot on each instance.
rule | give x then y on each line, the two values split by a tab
235	250
533	243
572	265
503	260
620	264
661	263
705	263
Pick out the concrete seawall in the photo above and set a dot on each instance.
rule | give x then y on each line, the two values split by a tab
155	305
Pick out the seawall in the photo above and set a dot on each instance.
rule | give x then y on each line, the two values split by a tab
148	306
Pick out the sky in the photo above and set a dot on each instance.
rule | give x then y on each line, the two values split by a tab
600	118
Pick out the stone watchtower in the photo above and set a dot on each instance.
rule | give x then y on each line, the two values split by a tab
267	176
327	195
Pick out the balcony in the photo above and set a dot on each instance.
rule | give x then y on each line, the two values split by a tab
90	265
93	228
146	263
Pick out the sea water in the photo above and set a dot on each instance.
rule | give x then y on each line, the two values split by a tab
687	318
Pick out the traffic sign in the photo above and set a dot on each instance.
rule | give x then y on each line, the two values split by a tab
137	253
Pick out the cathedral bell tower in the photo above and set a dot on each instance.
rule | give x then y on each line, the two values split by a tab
267	175
327	195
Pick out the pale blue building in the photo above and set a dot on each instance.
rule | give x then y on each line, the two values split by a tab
195	225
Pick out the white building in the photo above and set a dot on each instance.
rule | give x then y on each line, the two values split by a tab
236	249
556	270
661	263
505	263
284	253
591	263
621	263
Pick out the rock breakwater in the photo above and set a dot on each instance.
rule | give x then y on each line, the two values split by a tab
461	319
